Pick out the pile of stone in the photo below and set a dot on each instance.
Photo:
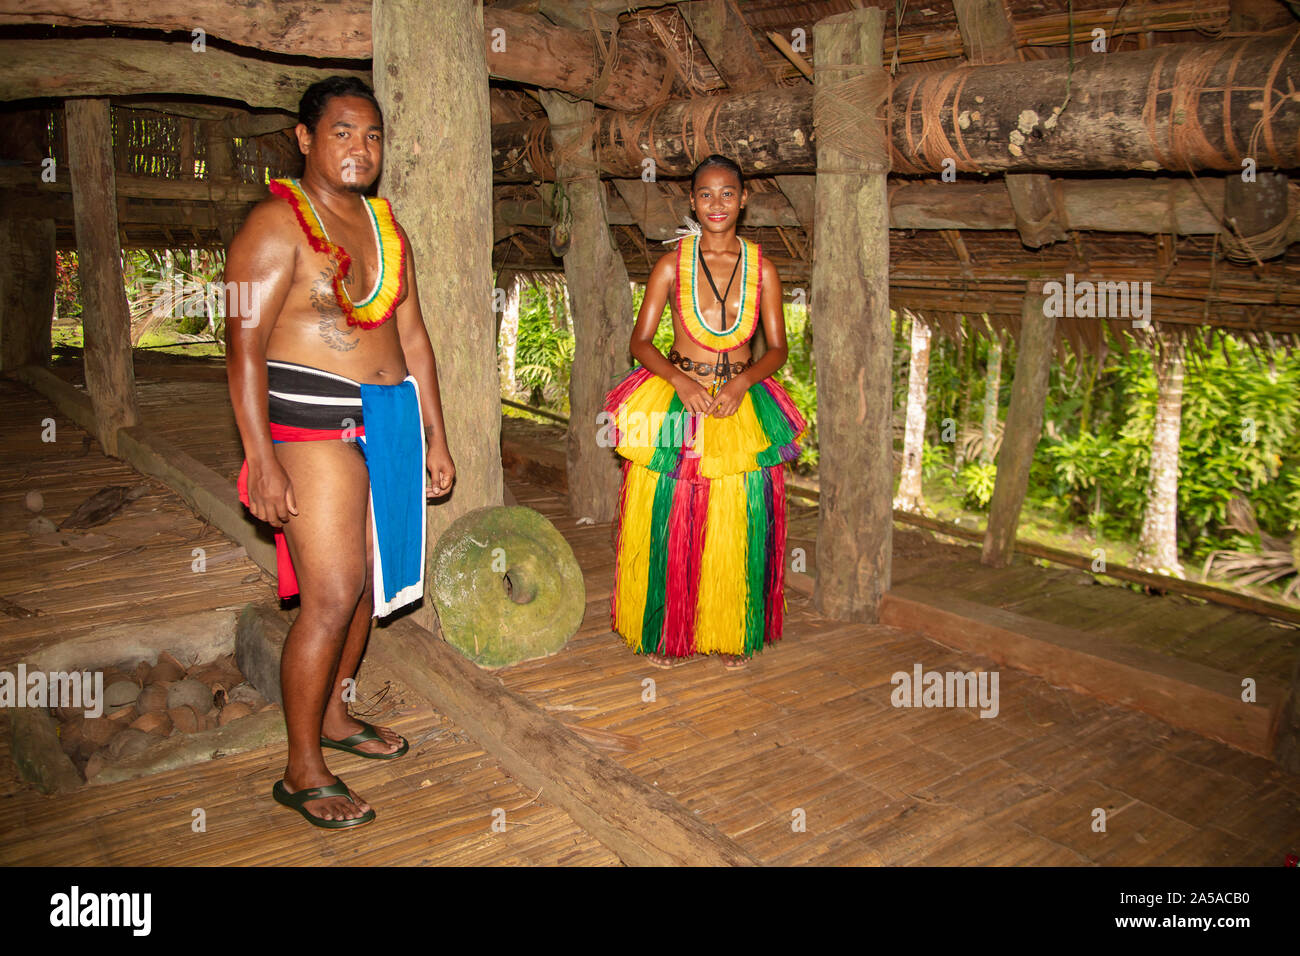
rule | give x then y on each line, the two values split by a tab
148	703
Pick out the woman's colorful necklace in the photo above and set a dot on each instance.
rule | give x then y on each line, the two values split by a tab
750	263
376	308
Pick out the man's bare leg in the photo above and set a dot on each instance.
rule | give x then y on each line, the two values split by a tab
339	725
328	545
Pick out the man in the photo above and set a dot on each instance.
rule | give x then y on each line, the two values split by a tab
335	392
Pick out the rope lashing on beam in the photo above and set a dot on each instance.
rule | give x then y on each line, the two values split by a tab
607	56
932	147
1186	145
535	150
847	115
567	149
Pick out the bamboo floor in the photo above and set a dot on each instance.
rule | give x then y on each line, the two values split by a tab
800	758
434	806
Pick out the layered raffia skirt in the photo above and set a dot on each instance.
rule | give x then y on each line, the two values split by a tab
701	525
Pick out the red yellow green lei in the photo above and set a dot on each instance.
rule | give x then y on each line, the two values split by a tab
751	283
379	306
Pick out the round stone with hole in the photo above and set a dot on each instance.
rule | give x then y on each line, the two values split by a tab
507	586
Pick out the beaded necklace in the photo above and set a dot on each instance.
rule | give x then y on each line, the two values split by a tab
378	307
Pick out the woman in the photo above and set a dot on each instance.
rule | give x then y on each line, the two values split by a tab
700	533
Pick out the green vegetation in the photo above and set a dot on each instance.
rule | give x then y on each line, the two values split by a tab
1239	484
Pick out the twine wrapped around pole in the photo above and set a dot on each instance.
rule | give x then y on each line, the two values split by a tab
844	110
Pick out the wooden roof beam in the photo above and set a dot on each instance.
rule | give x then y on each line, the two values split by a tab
988	36
523	48
725	35
1004	119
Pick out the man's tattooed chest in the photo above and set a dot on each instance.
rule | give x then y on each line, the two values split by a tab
333	325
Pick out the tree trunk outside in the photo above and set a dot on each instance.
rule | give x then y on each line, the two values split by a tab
508	340
910	497
1158	545
992	387
966	367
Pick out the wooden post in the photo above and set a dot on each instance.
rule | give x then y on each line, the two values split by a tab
1023	426
602	310
431	78
110	374
27	273
221	171
852	340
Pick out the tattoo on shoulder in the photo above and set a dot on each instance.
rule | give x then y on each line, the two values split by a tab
341	339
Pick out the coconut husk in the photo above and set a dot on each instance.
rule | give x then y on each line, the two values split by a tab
168	669
97	762
157	723
124	715
184	719
246	693
153	699
98	731
129	743
120	693
70	734
98	509
192	693
233	712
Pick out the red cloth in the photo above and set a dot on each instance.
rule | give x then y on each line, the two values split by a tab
285	577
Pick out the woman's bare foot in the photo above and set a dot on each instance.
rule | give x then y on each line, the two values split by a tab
664	662
735	662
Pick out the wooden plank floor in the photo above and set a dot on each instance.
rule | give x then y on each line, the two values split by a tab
808	732
434	805
810	727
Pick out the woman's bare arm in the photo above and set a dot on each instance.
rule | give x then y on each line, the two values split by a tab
695	397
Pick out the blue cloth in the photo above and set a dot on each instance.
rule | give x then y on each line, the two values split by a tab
393	445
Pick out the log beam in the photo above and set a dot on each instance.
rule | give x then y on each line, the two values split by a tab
1109	124
1023	427
602	315
988	37
121	67
725	35
852	339
432	96
110	373
1150	206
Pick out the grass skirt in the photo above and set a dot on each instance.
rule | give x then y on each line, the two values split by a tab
701	525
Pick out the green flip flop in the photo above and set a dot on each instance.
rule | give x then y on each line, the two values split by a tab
366	735
296	801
